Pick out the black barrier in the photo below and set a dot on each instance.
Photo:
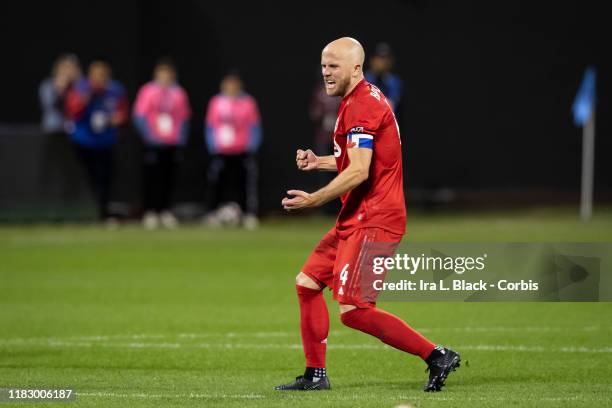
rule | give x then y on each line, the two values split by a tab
487	97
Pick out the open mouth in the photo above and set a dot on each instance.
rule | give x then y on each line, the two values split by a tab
330	83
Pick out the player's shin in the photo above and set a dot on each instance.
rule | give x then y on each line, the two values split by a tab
314	327
390	329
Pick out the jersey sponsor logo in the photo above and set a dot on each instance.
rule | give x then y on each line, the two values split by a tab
337	149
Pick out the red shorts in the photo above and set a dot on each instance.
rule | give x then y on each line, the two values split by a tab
345	265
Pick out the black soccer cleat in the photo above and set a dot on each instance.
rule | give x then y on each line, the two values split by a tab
440	368
303	384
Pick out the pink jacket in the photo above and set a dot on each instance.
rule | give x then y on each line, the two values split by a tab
162	114
233	125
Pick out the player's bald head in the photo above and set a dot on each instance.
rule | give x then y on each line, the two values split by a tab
342	65
347	49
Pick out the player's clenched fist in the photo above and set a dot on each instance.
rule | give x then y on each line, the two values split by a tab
306	160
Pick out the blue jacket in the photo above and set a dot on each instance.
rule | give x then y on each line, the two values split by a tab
92	113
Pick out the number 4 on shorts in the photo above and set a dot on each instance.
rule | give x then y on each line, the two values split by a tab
344	274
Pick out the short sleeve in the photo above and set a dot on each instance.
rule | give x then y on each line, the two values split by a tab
362	121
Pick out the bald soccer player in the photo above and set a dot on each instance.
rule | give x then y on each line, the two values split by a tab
368	159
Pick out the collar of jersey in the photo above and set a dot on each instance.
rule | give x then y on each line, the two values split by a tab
359	84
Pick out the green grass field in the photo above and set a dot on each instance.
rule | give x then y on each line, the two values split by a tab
200	317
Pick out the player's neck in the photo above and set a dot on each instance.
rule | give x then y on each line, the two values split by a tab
352	86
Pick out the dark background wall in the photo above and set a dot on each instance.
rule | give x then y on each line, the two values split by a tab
489	85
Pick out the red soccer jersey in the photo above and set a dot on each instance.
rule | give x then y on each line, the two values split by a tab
366	120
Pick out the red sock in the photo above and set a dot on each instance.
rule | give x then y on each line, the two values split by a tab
314	325
389	329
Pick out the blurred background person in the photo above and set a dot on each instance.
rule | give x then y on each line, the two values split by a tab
161	116
56	168
97	106
52	93
380	74
233	136
323	114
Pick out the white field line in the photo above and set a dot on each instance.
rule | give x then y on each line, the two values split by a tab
146	336
284	334
335	397
297	346
156	396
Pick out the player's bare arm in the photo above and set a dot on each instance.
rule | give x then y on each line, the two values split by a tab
355	174
306	160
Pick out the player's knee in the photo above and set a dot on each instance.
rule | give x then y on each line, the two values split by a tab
306	281
346	318
344	307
